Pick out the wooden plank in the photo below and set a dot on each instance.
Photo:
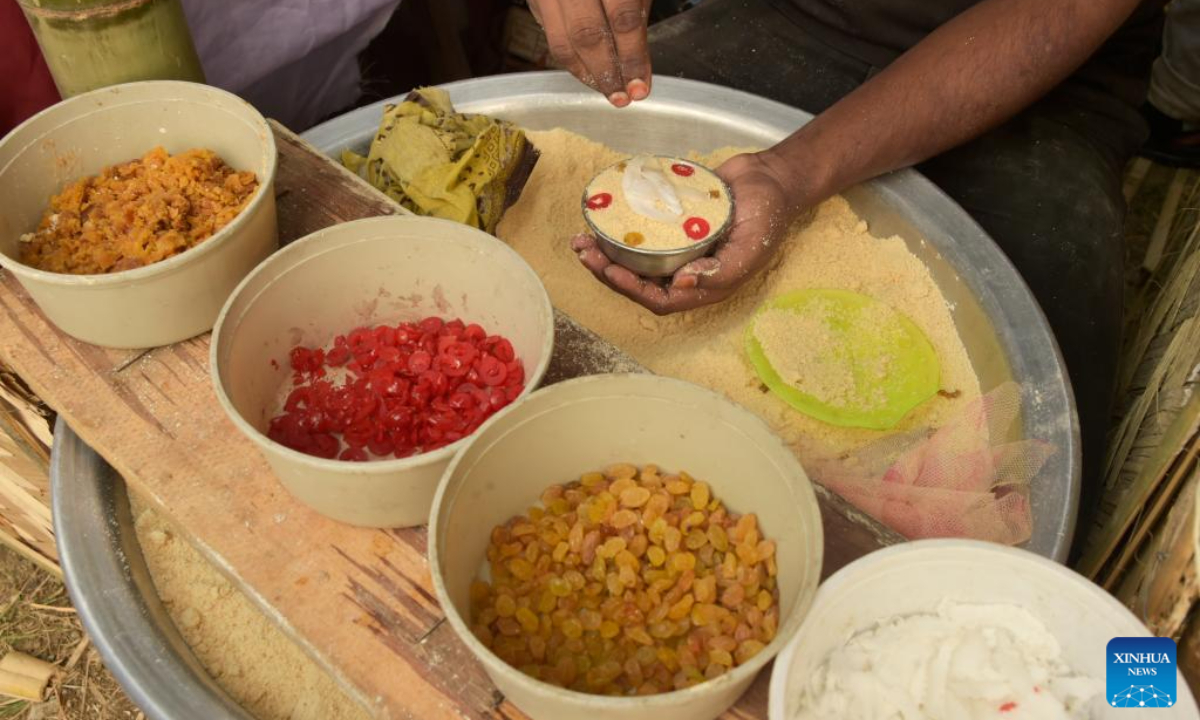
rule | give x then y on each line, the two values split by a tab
359	601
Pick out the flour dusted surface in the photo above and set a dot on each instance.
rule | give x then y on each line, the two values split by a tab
833	250
247	655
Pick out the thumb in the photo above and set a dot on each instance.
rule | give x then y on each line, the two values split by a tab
692	274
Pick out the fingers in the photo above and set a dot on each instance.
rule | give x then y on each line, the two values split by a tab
550	14
656	297
582	241
645	292
649	293
590	255
734	166
628	19
591	37
601	42
689	275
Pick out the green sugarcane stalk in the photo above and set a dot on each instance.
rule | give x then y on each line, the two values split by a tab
90	44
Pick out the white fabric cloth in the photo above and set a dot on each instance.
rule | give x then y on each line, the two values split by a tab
295	60
1175	81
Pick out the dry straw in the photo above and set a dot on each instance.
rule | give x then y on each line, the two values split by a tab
1143	546
25	437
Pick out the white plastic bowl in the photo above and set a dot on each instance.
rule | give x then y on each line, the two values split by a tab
915	577
367	272
170	300
587	424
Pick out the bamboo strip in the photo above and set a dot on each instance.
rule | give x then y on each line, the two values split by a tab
77	654
1132	484
1162	587
1149	309
1158	238
27	552
1135	177
1161	491
26	416
25	438
20	495
25	502
1149	403
37	541
51	608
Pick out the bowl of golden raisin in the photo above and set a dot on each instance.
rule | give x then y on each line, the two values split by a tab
625	544
131	212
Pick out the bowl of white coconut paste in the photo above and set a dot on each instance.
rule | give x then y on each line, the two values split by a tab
964	630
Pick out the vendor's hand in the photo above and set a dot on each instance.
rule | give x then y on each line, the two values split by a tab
763	211
601	42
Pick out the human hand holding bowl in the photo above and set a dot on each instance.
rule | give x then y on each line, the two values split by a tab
763	211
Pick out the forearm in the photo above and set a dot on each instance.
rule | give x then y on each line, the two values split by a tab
967	77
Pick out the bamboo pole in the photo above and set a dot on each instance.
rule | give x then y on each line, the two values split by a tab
90	44
21	687
29	666
25	677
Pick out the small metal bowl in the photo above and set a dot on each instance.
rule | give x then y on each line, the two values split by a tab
656	263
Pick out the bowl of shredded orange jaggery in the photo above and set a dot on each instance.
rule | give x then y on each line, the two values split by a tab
137	213
132	212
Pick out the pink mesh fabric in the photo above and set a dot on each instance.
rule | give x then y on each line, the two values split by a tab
961	480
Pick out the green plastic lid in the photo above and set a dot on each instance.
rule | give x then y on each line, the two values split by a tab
868	364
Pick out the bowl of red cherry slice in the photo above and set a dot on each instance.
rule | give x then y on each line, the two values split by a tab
359	358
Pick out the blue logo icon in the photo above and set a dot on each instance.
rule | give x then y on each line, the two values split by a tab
1141	672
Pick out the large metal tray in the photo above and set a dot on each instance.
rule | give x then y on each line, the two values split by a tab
1002	327
111	589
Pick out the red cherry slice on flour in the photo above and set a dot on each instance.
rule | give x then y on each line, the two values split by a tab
683	170
599	201
696	228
